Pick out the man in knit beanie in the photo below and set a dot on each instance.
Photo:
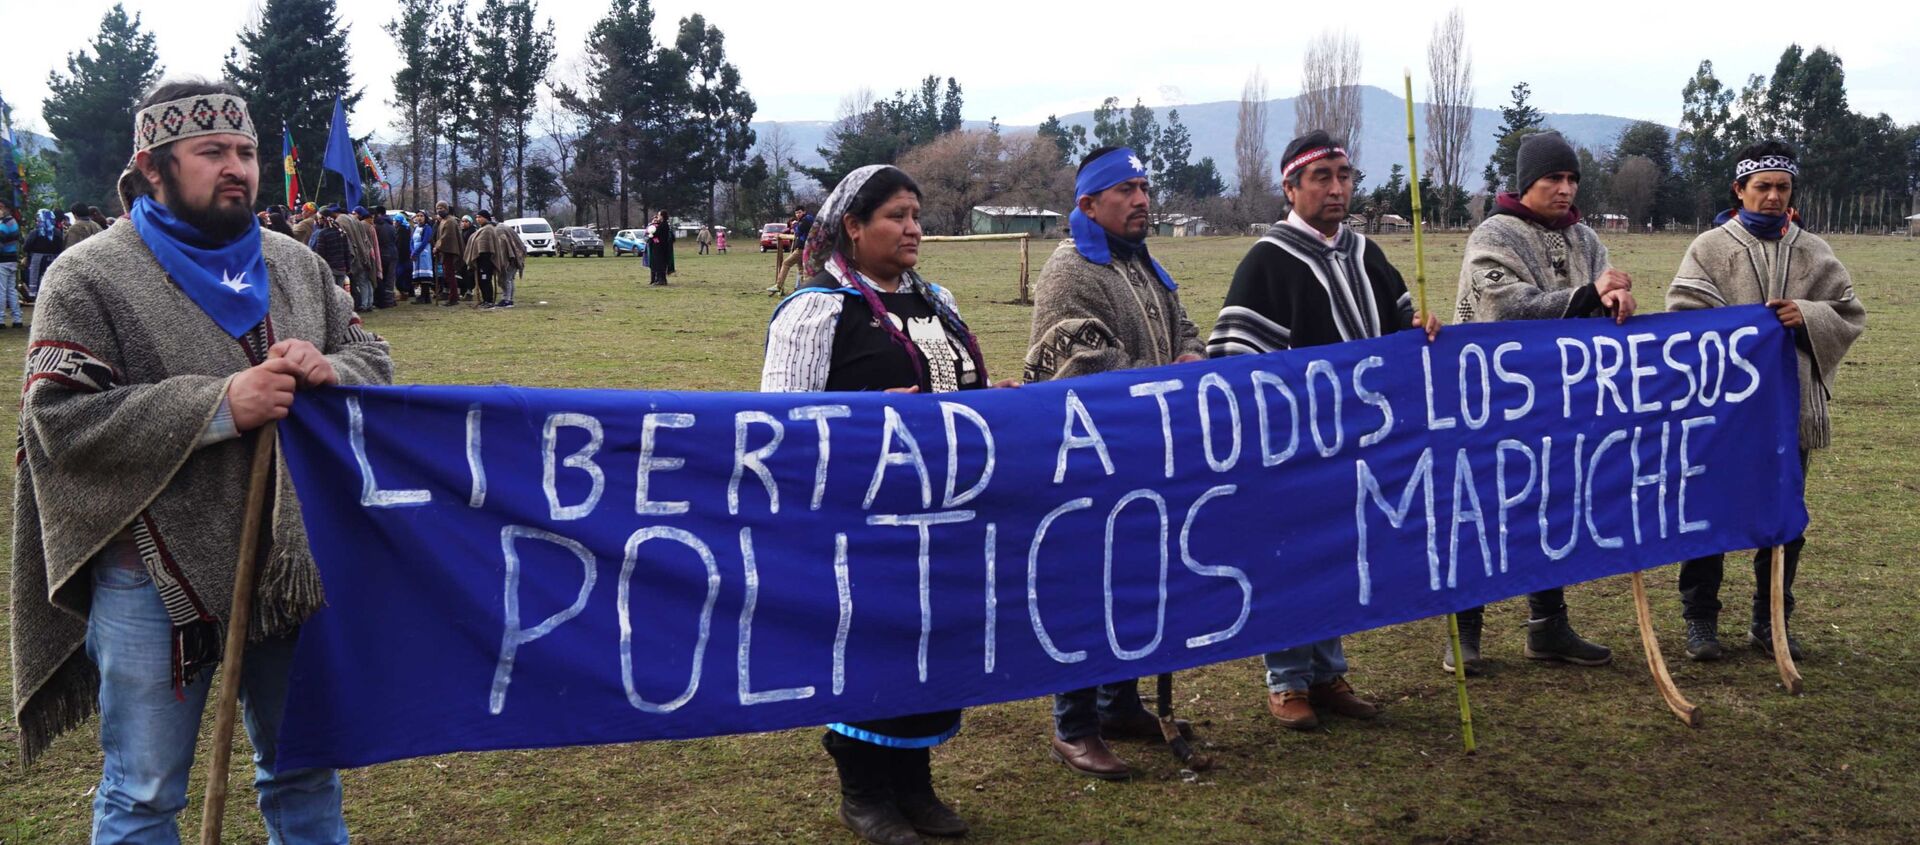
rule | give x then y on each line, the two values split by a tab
1534	260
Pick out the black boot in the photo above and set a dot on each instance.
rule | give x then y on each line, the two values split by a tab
1470	623
1703	640
1553	638
866	793
913	794
1761	634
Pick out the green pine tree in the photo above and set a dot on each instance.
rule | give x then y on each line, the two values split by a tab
90	110
290	66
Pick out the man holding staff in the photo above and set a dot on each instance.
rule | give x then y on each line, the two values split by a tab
1758	254
1534	260
1102	303
159	348
1312	281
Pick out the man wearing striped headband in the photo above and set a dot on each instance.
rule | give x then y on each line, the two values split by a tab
1312	281
1759	254
1103	303
160	348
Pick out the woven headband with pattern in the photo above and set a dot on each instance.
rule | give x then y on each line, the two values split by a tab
1309	157
1749	166
190	117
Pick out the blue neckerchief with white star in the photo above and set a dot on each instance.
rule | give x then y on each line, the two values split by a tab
228	281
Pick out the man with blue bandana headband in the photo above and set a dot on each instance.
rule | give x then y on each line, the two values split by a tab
1103	303
160	348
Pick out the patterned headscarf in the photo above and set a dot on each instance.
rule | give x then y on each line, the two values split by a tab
822	253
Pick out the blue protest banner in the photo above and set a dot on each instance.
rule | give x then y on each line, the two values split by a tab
514	568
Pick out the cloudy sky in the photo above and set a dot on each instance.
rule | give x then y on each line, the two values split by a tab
1020	62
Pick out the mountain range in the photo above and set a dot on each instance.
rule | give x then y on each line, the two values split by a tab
1383	135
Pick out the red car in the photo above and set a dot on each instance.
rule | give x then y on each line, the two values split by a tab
773	235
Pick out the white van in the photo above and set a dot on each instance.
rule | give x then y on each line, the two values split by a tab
535	233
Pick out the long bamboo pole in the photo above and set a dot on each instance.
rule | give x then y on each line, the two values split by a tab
1420	284
213	809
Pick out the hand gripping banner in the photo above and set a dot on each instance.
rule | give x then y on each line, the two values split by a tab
515	568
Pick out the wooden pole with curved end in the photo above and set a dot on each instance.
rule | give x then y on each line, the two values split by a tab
214	807
1688	713
1782	656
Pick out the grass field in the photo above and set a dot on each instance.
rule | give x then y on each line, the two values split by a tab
1566	754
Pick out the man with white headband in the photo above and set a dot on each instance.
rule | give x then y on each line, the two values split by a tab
159	348
1102	303
1312	281
1758	254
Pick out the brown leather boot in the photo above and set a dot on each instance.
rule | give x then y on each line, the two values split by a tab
1089	755
1292	709
1337	695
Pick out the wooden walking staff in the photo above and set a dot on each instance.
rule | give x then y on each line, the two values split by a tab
1420	285
1777	614
1688	713
238	621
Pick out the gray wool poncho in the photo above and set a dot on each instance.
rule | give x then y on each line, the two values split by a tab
1516	269
124	373
1094	318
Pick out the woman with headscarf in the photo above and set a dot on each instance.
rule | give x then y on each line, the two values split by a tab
660	249
43	244
420	251
867	321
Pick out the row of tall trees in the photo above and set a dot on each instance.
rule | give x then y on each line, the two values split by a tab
468	86
646	124
654	125
1857	173
1178	181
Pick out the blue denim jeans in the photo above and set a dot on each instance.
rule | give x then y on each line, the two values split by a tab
147	734
363	285
1305	665
10	296
1078	714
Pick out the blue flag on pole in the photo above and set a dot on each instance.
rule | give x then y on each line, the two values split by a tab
563	567
340	158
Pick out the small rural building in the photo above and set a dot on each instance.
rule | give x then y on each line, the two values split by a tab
1614	222
1394	223
1181	226
1007	219
1913	225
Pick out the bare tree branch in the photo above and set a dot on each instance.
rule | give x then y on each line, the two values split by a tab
1251	164
1330	90
1449	106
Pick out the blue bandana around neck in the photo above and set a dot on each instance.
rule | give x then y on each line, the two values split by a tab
228	281
1090	238
1766	227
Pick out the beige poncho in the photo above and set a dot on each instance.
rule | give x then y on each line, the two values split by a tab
123	375
1727	265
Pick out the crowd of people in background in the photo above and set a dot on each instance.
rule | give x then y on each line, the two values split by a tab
382	257
28	247
379	257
